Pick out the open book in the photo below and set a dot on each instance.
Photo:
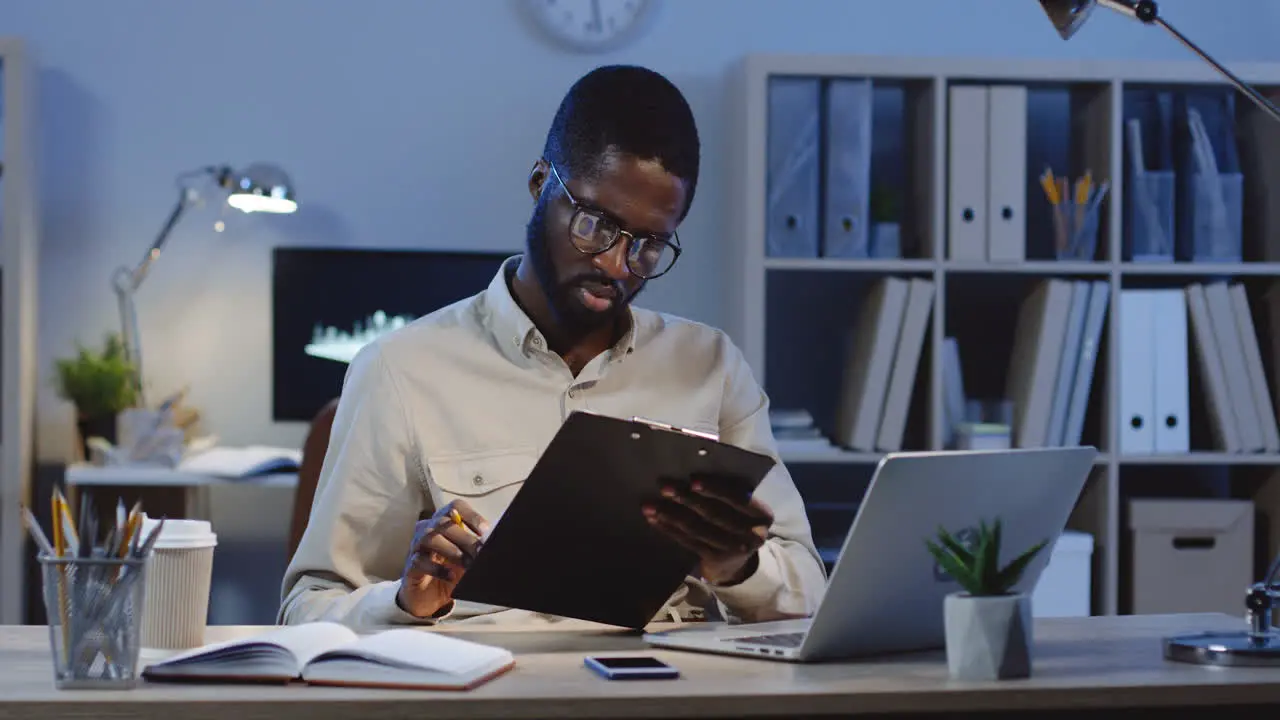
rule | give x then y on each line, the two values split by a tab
242	462
324	653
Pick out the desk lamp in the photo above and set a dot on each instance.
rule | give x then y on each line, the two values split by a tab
256	188
1259	643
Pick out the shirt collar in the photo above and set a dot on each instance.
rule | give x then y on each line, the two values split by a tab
516	334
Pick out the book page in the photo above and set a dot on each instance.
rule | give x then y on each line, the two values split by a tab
423	649
303	642
241	462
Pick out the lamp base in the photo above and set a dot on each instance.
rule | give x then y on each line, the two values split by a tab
1225	649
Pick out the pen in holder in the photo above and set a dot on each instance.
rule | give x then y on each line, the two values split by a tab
1076	212
94	606
93	589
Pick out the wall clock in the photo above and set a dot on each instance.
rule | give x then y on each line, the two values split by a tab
592	26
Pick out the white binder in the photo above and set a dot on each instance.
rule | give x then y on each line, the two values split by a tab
1007	173
967	173
1170	411
1137	361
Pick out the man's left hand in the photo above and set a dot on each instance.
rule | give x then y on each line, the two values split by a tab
721	525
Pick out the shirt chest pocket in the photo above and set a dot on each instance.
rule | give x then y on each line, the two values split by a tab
484	480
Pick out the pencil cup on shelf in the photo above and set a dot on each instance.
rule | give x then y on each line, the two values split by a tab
177	590
94	605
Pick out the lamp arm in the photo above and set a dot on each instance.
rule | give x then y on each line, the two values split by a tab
1146	12
126	281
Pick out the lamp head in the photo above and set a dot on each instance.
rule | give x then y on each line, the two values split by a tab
1067	15
260	187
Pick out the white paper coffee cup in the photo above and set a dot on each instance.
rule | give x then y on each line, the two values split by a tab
175	607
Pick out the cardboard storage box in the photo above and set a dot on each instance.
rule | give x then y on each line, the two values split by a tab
1191	555
1064	587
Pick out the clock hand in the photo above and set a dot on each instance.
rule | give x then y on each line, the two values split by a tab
595	16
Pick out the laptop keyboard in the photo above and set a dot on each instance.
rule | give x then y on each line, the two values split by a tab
785	640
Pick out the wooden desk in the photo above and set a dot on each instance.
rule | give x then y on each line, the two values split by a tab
1081	664
151	482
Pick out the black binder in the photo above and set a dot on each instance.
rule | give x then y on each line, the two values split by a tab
574	541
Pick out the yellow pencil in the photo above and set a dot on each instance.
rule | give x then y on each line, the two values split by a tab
59	547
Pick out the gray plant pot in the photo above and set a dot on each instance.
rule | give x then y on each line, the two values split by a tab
988	638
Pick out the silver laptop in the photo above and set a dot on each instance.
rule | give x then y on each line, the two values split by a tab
886	592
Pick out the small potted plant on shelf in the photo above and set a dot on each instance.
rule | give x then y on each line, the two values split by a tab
100	384
988	626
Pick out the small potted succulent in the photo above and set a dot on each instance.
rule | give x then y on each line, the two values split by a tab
988	626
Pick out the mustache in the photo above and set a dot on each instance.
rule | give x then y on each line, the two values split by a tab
592	279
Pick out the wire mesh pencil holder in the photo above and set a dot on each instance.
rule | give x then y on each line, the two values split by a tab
94	606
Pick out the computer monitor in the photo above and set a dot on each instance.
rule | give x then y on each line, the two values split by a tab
327	303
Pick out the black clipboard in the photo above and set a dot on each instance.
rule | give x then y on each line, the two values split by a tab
575	543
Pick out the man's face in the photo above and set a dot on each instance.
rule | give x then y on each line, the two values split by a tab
585	291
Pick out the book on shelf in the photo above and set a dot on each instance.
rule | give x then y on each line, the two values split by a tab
881	365
1052	362
242	462
795	433
325	653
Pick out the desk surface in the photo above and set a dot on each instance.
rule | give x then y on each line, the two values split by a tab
135	476
1080	663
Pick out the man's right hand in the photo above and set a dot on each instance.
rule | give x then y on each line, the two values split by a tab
441	552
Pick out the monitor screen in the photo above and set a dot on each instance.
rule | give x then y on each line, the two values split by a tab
327	303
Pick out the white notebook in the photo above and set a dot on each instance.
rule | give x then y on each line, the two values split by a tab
241	462
324	653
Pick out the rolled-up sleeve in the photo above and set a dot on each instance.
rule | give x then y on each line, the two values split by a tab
789	579
370	492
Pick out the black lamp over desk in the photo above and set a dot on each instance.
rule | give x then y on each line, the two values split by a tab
1069	15
1259	643
257	188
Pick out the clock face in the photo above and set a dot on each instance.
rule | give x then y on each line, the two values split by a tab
592	25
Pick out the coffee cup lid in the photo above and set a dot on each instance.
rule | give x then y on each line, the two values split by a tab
180	533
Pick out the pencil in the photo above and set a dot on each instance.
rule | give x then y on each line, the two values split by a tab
456	517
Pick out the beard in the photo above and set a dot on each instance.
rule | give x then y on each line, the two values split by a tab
575	319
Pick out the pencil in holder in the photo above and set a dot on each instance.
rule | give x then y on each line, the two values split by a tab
94	606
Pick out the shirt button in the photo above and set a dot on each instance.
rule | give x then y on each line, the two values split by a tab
537	341
478	479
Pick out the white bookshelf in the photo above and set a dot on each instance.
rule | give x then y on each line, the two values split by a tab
18	273
1097	134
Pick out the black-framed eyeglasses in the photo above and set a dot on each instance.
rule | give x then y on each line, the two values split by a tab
594	231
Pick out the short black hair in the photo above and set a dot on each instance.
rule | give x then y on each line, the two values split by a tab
628	109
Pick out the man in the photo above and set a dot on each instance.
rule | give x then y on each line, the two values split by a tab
448	415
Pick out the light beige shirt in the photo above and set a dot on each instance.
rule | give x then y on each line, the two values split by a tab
461	402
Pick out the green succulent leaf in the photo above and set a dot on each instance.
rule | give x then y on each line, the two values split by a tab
977	569
955	547
1013	571
960	571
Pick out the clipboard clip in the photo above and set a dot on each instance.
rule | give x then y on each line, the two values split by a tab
714	437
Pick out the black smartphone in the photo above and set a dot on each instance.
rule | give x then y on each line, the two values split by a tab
633	667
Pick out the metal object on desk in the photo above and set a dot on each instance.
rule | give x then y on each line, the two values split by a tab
94	606
1257	645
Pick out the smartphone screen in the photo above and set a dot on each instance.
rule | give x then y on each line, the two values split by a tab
630	663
